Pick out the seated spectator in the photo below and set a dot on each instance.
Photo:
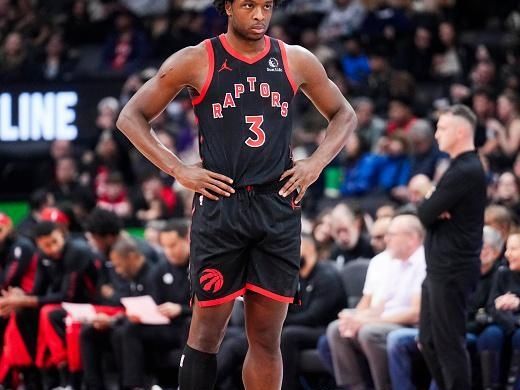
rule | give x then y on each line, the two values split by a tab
506	129
103	229
79	27
402	344
385	21
413	194
386	210
417	56
157	201
355	63
400	115
66	186
378	232
114	196
66	272
507	192
484	73
39	200
451	62
56	64
108	148
349	241
393	164
15	65
18	259
391	300
500	218
311	41
106	331
503	305
483	105
343	19
382	80
140	343
360	168
370	127
426	156
126	47
322	234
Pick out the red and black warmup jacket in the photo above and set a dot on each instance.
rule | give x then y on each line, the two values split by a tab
71	278
18	263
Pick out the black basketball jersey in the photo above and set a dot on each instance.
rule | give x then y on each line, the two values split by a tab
244	113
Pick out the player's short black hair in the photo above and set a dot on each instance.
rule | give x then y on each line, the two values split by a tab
220	5
179	225
103	222
464	112
45	228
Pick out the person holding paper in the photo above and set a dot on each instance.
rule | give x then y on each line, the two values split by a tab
104	228
105	331
139	342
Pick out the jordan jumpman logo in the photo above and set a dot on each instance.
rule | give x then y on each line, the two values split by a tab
225	66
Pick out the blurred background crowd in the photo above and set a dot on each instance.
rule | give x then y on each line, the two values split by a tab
398	62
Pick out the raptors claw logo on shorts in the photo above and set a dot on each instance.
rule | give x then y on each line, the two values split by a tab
211	280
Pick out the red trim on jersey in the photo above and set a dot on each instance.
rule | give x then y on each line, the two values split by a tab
220	301
269	294
211	67
240	56
286	66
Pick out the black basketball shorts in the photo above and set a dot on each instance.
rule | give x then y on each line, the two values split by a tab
248	241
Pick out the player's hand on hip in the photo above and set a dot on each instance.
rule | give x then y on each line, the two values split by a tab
301	176
203	181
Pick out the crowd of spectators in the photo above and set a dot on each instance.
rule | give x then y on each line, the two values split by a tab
399	63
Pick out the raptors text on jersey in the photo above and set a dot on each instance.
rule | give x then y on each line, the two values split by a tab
244	112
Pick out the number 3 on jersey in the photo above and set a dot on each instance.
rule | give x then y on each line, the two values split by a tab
255	121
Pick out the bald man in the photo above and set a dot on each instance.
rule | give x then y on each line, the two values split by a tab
453	214
391	300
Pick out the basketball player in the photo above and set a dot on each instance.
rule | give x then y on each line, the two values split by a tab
245	237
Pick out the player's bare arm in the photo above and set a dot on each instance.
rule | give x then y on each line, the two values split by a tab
186	68
312	79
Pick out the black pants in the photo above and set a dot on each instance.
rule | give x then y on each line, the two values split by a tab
442	328
295	339
139	343
57	320
94	346
230	358
27	321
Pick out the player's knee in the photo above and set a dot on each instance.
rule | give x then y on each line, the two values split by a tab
207	338
265	340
